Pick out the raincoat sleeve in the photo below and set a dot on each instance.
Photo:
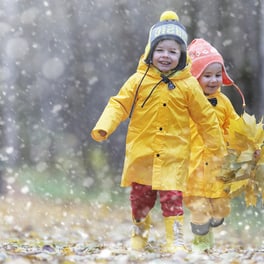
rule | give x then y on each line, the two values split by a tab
116	111
230	114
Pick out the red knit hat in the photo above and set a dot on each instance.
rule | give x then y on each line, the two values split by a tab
202	54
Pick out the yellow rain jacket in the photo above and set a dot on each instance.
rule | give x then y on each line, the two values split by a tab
158	138
202	179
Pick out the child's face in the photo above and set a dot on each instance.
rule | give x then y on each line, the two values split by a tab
166	55
211	78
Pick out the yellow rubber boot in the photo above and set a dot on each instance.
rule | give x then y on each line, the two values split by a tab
140	233
174	235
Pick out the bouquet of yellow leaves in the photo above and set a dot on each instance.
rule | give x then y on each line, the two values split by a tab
243	167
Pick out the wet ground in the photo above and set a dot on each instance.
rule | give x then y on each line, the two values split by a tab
43	231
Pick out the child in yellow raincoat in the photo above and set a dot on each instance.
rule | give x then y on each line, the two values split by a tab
205	196
160	98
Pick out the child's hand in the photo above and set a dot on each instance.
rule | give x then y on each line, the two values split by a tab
102	133
99	135
257	153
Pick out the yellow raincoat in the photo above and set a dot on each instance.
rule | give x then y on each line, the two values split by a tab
158	138
202	179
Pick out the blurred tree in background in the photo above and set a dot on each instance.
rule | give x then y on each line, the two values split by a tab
62	60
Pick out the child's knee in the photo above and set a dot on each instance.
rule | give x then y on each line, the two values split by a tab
202	229
216	222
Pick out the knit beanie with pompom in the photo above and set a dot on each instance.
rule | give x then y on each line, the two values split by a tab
168	27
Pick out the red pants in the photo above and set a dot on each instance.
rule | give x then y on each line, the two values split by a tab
143	199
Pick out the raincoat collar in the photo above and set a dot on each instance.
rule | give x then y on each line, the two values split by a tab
215	94
152	72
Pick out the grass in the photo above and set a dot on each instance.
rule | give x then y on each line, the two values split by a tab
55	184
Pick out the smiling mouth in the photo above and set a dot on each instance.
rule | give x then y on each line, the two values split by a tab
164	63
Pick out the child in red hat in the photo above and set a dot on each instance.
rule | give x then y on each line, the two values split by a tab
205	196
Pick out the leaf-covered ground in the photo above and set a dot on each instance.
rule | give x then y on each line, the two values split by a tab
40	231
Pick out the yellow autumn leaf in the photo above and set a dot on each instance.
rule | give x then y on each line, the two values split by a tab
260	133
261	158
246	156
241	171
238	141
259	176
245	132
67	251
229	166
238	127
250	125
244	170
234	189
250	195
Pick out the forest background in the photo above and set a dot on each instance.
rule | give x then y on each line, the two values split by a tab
60	61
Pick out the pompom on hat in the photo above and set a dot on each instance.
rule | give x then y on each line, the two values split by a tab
168	27
202	54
